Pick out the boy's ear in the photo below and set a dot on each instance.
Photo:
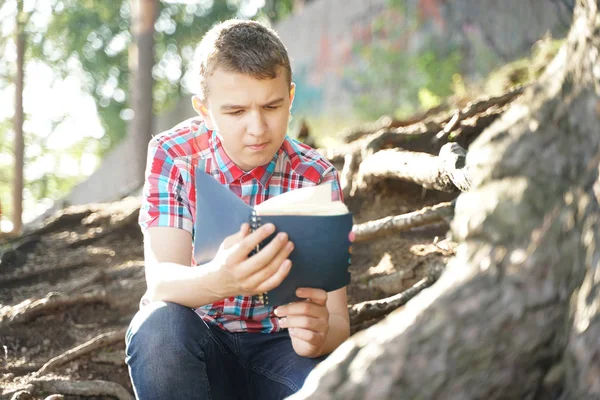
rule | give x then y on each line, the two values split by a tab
292	93
202	110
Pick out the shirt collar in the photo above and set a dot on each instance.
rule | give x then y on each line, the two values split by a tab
231	172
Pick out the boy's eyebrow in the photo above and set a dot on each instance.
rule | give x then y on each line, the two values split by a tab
225	107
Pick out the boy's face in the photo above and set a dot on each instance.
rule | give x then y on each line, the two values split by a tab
250	115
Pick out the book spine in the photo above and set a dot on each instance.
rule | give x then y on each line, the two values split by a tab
254	225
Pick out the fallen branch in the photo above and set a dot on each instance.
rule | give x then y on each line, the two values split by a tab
81	388
96	343
385	226
446	172
369	310
29	310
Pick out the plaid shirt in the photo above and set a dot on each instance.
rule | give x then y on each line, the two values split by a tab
169	198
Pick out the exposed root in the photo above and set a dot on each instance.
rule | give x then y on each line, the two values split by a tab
96	343
393	224
31	309
372	309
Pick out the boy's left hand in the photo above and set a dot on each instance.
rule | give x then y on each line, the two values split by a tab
307	321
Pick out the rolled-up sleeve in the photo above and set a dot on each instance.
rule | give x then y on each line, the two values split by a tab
164	199
331	175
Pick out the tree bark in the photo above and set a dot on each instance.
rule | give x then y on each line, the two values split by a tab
141	62
19	150
510	312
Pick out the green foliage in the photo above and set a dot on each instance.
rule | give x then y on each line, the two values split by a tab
275	10
524	70
400	83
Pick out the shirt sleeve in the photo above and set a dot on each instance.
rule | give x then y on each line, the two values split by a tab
164	199
331	175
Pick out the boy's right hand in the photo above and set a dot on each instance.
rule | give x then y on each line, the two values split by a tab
263	271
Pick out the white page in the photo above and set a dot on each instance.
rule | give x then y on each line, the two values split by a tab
311	200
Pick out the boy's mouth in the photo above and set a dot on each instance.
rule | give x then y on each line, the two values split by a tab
259	146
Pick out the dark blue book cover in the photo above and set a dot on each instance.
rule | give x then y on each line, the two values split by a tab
320	258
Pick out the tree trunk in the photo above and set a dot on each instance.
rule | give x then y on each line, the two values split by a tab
19	117
141	62
516	314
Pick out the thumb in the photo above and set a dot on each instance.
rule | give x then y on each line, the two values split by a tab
236	237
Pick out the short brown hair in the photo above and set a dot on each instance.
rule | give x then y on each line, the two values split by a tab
242	46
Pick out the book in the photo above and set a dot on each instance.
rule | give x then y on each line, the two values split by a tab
318	227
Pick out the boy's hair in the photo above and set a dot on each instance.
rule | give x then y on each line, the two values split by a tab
242	46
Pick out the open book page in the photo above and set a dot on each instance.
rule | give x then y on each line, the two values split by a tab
311	200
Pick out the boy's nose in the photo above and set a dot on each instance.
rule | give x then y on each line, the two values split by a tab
257	125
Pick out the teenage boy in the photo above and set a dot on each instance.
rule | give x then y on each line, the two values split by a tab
200	332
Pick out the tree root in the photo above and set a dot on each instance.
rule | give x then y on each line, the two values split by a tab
73	388
385	226
29	310
62	220
465	124
387	122
372	309
96	343
18	278
351	163
14	257
446	172
95	234
393	283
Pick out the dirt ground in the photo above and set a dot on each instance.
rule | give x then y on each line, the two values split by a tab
97	251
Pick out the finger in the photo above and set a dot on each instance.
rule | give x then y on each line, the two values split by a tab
261	275
266	255
249	242
306	335
302	308
236	237
276	279
317	296
304	322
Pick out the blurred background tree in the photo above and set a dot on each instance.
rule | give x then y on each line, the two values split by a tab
85	44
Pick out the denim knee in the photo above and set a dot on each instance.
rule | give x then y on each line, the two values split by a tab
166	353
161	332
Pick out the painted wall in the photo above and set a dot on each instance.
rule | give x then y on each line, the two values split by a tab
324	40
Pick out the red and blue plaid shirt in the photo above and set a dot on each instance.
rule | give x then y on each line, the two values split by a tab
169	198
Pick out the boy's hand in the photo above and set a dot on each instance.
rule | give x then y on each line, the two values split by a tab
265	270
307	321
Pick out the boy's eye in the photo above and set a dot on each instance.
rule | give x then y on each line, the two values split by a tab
272	107
238	112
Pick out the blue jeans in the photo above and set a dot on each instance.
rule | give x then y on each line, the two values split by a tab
173	354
